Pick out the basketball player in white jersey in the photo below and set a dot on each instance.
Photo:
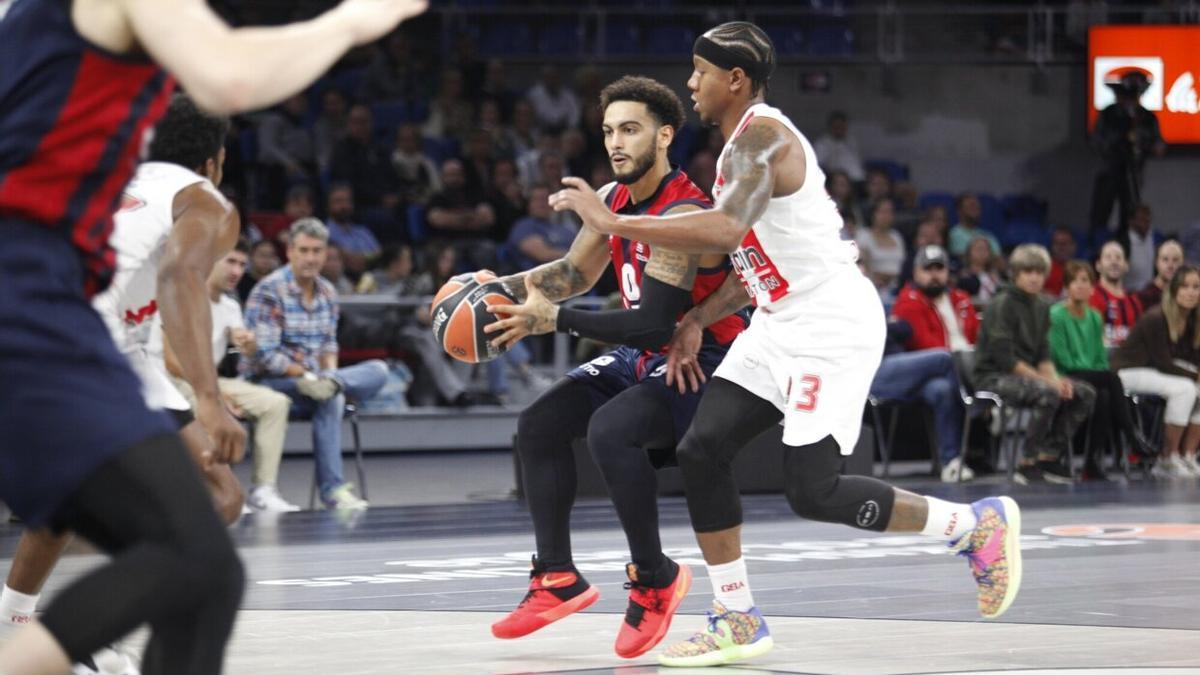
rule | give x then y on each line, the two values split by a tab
807	359
172	224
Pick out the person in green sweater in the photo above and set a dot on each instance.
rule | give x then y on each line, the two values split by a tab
1077	349
1013	360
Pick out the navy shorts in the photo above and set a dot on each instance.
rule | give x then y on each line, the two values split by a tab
68	399
625	367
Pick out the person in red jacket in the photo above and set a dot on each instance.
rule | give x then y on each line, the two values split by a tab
941	317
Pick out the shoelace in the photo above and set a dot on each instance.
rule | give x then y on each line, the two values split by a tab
975	558
713	619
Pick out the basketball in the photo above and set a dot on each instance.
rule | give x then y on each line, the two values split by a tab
460	312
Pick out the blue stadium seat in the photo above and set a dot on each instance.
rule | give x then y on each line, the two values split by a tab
507	38
560	38
895	170
1023	206
622	37
346	80
681	147
248	145
993	215
418	111
945	199
670	40
831	40
388	116
1019	232
788	39
417	229
439	149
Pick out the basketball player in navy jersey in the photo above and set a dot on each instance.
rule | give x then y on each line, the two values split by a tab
80	85
807	360
619	402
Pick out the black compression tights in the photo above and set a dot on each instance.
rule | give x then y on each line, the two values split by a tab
730	417
618	433
173	564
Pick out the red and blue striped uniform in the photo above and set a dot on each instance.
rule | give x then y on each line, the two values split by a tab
72	121
629	257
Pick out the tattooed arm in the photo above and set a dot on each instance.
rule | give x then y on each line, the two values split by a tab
764	159
683	365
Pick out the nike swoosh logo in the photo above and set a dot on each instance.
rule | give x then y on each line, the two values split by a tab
553	582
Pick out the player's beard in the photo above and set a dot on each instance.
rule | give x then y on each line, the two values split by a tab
640	166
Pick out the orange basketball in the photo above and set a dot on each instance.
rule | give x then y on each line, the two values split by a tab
460	313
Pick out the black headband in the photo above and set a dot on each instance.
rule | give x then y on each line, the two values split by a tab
727	59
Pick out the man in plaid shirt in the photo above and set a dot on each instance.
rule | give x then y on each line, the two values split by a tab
294	313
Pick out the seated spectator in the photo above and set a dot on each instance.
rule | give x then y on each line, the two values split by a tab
286	150
702	170
1118	307
396	275
507	198
263	261
937	215
927	234
294	313
1162	357
1139	242
941	317
451	115
1062	251
461	216
357	243
537	239
357	160
1166	262
1077	347
970	214
1013	359
495	87
980	275
334	271
478	161
837	150
529	164
298	203
575	152
523	134
394	74
841	191
879	186
908	213
330	126
491	122
884	246
266	408
416	175
555	106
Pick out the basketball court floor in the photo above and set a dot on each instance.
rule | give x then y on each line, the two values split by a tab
1111	585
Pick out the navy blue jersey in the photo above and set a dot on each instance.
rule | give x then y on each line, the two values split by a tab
72	121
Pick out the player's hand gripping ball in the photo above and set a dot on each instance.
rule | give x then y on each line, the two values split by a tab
460	312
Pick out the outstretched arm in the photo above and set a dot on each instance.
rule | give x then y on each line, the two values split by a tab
750	170
233	70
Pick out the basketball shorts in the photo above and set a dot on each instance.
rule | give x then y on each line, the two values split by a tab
69	400
625	367
814	356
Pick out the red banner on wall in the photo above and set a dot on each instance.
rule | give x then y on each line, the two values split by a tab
1169	56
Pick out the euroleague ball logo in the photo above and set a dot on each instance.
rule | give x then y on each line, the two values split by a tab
1110	69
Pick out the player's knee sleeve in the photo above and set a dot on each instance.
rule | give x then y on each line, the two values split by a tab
713	500
816	489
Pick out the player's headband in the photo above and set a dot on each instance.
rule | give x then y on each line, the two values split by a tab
727	59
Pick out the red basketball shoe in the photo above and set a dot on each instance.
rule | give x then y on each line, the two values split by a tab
650	610
552	595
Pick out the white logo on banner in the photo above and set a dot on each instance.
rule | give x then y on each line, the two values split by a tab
1102	96
1182	97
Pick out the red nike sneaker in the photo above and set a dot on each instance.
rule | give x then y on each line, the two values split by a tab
650	610
552	596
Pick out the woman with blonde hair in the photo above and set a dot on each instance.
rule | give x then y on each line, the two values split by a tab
1161	356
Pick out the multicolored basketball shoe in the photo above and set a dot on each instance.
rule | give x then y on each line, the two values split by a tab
729	637
651	607
552	595
993	549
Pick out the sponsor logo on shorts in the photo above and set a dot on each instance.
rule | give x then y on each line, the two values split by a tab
750	361
868	513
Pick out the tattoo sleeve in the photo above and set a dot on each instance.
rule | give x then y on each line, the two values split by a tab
729	298
675	269
748	169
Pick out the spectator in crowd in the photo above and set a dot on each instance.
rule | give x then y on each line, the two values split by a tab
334	271
286	151
492	123
1062	251
1166	262
1140	242
266	408
357	243
927	234
298	203
451	115
294	313
1162	357
702	169
936	214
551	170
495	87
537	238
841	191
478	160
462	216
574	149
555	106
970	215
837	150
523	134
908	213
330	126
1077	347
879	186
416	174
357	160
981	275
941	317
884	246
1118	307
263	261
507	198
529	164
396	274
394	73
1013	359
1125	135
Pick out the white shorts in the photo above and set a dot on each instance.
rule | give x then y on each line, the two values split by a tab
814	357
158	390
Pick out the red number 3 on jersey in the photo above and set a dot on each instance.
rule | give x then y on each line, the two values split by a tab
807	389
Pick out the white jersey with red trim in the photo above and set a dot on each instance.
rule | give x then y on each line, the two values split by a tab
129	306
795	245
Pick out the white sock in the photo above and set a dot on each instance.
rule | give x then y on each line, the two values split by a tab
731	585
17	607
947	520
